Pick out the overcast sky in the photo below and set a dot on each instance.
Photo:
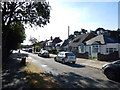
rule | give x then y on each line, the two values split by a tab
77	15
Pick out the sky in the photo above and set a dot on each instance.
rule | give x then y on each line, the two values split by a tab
77	15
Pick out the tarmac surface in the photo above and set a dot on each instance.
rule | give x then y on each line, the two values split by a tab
13	76
88	62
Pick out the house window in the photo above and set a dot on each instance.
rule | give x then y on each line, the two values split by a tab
82	48
110	50
115	49
95	49
107	50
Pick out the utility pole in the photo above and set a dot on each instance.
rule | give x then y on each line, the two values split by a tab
68	37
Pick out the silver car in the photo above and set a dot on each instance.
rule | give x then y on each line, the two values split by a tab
43	53
65	57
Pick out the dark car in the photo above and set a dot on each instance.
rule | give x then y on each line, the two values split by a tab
30	50
112	70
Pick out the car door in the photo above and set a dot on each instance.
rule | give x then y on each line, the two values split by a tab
58	57
61	56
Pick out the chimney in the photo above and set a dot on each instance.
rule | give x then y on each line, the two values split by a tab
51	38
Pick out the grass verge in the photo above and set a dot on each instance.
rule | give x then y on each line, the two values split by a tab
37	79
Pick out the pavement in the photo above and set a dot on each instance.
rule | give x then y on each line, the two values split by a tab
88	62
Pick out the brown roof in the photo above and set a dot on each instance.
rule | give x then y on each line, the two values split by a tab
81	39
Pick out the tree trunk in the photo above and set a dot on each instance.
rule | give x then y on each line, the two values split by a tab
5	50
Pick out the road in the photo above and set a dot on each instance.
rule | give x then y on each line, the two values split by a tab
73	75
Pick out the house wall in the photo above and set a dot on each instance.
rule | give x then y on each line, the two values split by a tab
103	55
84	54
49	43
89	49
109	45
102	51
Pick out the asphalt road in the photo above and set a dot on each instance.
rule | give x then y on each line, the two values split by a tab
73	75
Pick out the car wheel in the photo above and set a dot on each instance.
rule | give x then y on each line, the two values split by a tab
73	62
110	74
55	59
48	56
63	61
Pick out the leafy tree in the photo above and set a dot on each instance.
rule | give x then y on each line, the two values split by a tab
71	37
100	31
118	29
77	33
83	31
33	40
16	35
33	13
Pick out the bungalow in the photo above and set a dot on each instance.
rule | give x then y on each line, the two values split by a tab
80	39
53	44
64	45
42	44
102	47
76	42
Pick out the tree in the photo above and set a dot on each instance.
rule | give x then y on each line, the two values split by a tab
77	33
16	35
118	29
100	31
34	42
33	13
83	31
71	37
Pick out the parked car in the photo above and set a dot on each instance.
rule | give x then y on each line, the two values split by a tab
30	50
65	57
112	70
43	53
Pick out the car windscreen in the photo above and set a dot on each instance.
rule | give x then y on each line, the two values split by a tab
69	54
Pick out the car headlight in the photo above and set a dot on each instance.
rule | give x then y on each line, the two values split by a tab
104	65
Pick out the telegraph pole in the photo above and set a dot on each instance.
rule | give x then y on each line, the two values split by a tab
68	36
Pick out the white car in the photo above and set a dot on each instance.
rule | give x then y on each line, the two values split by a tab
65	57
43	53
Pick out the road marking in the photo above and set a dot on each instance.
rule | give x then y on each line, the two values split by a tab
33	60
44	65
30	57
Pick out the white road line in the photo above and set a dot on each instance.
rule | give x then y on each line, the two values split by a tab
30	57
44	65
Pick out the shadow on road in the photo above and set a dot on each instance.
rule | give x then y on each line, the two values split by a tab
73	80
13	77
75	65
